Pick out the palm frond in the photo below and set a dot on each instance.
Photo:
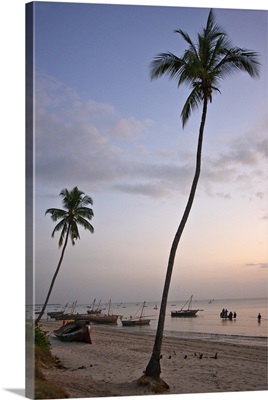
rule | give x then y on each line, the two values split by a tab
86	200
75	212
85	212
204	64
83	222
56	213
60	226
165	63
212	31
74	233
193	101
187	38
63	227
238	59
72	198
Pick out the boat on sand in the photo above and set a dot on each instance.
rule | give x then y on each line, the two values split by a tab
74	332
94	310
54	314
99	318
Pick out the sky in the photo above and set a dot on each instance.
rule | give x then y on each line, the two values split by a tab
103	125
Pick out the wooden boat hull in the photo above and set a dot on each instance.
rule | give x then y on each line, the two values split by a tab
65	317
97	318
138	322
184	313
54	314
72	332
90	312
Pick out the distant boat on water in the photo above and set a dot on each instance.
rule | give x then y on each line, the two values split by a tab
185	312
137	321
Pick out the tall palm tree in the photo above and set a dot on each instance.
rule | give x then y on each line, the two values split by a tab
75	213
202	67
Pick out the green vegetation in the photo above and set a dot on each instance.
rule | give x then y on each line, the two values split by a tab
38	359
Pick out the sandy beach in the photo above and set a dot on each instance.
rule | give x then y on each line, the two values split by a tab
111	364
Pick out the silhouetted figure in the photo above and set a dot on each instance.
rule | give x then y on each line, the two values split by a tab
234	314
259	317
224	313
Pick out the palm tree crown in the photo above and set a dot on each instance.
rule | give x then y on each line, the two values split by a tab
204	64
75	213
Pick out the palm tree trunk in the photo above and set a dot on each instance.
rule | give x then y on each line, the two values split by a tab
54	278
153	368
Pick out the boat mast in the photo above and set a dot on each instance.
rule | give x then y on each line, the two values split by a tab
98	306
188	301
93	305
109	307
142	308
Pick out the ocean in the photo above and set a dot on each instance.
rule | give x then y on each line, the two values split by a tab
207	324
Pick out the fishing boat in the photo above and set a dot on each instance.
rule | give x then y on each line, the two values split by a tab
99	318
185	312
53	314
67	316
94	310
137	321
73	332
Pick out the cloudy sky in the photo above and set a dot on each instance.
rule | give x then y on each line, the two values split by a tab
101	124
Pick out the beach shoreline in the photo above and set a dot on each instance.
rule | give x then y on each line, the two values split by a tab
114	361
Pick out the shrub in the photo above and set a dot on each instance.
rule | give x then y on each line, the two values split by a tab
44	359
41	339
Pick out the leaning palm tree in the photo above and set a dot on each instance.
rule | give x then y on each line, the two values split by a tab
202	67
75	213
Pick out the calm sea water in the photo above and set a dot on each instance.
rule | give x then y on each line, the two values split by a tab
206	325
